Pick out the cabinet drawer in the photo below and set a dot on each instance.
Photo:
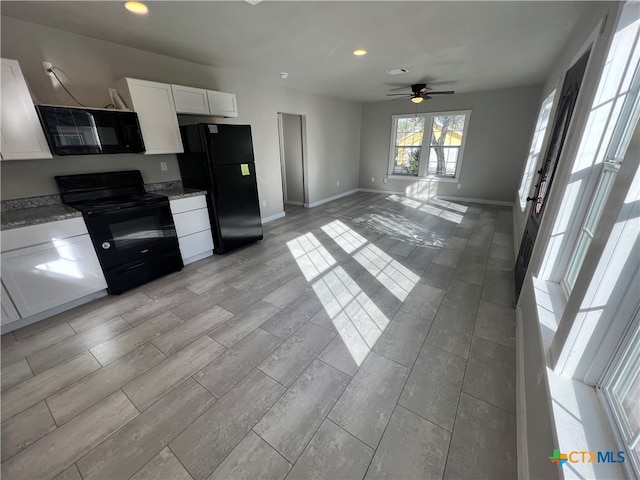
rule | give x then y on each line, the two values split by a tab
186	204
195	244
42	233
45	276
191	222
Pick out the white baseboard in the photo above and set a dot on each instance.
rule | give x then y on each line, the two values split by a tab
442	197
329	199
272	217
521	403
373	190
474	200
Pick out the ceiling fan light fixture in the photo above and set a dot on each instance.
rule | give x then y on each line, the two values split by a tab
417	99
138	8
359	52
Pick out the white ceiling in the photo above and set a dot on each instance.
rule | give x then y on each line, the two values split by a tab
463	46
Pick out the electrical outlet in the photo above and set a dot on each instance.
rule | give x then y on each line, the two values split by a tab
385	179
373	179
48	66
338	183
459	186
264	203
163	166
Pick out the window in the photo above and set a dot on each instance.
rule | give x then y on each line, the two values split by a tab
605	184
621	390
428	144
621	137
534	150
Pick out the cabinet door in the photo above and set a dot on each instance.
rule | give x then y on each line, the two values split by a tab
9	312
222	104
45	276
190	100
22	135
153	102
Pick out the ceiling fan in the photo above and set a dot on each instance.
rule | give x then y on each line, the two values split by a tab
420	92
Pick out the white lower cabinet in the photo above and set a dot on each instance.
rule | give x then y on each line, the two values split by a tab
191	218
9	312
48	265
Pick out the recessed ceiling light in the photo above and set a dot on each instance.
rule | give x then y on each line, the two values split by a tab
284	75
253	2
138	8
417	99
359	52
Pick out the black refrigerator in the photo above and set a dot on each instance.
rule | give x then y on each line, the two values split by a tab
219	159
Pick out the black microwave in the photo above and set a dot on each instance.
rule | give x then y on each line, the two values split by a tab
85	131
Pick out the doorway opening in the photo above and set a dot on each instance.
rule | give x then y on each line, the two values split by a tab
292	134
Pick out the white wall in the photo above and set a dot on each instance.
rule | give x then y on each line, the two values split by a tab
500	127
89	66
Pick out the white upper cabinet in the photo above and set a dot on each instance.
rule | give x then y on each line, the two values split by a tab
198	101
222	104
153	102
190	100
22	135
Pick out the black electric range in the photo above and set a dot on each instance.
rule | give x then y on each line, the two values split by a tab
132	231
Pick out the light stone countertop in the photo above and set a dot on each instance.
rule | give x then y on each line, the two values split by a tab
180	192
25	217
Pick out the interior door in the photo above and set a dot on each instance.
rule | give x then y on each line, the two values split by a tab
567	101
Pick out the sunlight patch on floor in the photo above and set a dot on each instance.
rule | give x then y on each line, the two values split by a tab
311	256
355	316
434	206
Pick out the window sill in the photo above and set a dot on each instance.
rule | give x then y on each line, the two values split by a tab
423	179
582	426
581	423
551	303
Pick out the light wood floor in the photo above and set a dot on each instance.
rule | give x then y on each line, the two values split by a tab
370	337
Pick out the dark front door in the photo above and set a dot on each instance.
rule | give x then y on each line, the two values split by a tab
567	101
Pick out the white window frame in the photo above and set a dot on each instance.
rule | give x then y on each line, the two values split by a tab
587	228
538	142
425	148
619	376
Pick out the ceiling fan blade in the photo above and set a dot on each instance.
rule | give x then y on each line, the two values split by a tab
444	92
396	94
